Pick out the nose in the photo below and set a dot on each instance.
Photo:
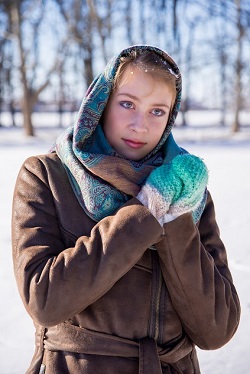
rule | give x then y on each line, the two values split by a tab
139	123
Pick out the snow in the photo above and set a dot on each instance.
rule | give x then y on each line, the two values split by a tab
228	160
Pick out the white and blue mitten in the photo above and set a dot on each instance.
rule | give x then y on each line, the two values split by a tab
176	188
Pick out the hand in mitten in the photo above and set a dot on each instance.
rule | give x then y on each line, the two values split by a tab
176	188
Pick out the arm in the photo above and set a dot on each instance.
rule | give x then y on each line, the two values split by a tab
194	265
55	282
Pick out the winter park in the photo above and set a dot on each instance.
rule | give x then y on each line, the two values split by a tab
50	53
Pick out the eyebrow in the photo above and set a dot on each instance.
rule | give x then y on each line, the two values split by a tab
136	98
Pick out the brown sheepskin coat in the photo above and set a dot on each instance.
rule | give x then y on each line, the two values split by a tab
121	296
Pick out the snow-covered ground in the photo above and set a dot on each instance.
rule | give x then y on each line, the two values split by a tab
228	159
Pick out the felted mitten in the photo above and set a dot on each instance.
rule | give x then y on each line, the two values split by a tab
176	188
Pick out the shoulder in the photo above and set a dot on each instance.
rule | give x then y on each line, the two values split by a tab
45	167
44	159
48	162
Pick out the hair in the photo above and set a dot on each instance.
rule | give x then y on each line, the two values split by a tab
149	62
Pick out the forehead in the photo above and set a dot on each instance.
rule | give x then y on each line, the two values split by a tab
132	73
142	84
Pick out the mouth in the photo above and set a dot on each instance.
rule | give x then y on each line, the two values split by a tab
134	143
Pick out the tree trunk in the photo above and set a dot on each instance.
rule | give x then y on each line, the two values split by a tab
239	68
27	106
142	21
188	69
27	116
184	110
94	17
12	112
128	21
223	60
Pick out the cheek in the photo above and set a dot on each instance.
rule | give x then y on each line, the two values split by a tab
108	120
158	129
116	120
111	127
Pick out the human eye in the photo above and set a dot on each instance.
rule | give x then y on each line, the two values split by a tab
158	112
127	104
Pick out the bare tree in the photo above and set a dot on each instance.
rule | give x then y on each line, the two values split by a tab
188	70
6	88
234	15
80	25
87	35
142	21
19	13
2	80
83	20
238	66
128	21
221	19
102	23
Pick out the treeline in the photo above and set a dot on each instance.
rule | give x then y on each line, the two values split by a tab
50	50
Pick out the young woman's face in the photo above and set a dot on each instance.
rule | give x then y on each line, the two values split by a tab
136	114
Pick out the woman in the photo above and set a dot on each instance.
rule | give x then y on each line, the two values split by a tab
116	249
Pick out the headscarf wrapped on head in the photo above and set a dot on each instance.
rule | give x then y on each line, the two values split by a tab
102	180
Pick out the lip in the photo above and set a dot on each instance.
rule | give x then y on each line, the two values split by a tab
134	143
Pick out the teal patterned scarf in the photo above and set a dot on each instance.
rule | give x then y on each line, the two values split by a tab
101	179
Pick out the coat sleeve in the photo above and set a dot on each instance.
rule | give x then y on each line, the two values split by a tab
55	282
195	269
